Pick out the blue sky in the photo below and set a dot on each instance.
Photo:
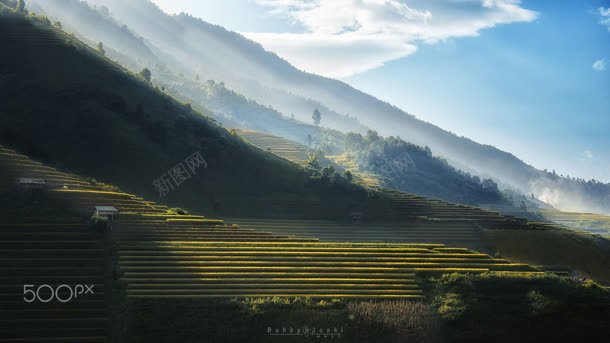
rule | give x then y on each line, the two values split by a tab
531	78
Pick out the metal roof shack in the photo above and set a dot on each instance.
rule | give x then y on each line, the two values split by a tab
106	211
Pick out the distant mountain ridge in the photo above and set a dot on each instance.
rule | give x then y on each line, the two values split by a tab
94	24
246	67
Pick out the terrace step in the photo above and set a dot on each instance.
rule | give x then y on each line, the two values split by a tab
203	251
91	323
299	257
204	246
241	274
130	265
180	287
407	279
285	295
81	304
274	291
33	314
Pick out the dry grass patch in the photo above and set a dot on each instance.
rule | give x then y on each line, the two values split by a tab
397	320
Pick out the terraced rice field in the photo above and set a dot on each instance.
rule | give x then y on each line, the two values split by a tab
280	146
167	256
199	260
588	222
405	206
162	266
38	252
402	206
365	179
64	189
56	252
298	153
453	233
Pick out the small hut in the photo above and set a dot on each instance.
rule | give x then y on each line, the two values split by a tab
106	211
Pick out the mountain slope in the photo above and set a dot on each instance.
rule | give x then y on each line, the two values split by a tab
65	104
246	67
218	54
97	26
236	111
94	24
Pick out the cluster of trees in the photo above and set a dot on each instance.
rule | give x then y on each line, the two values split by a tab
18	7
411	168
587	195
328	173
232	109
527	203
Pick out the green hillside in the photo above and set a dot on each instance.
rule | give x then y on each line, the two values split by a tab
389	162
434	177
95	24
94	118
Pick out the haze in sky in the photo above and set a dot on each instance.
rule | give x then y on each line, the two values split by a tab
528	77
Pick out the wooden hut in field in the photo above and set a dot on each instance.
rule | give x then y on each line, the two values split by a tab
108	212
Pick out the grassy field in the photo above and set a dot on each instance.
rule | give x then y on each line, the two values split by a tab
366	179
581	253
290	150
587	222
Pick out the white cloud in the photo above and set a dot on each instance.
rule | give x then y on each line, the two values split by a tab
588	154
345	37
605	16
334	55
599	65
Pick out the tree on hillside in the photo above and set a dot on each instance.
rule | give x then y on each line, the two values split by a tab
20	8
523	206
371	137
490	185
317	117
348	176
145	74
328	171
313	158
100	48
